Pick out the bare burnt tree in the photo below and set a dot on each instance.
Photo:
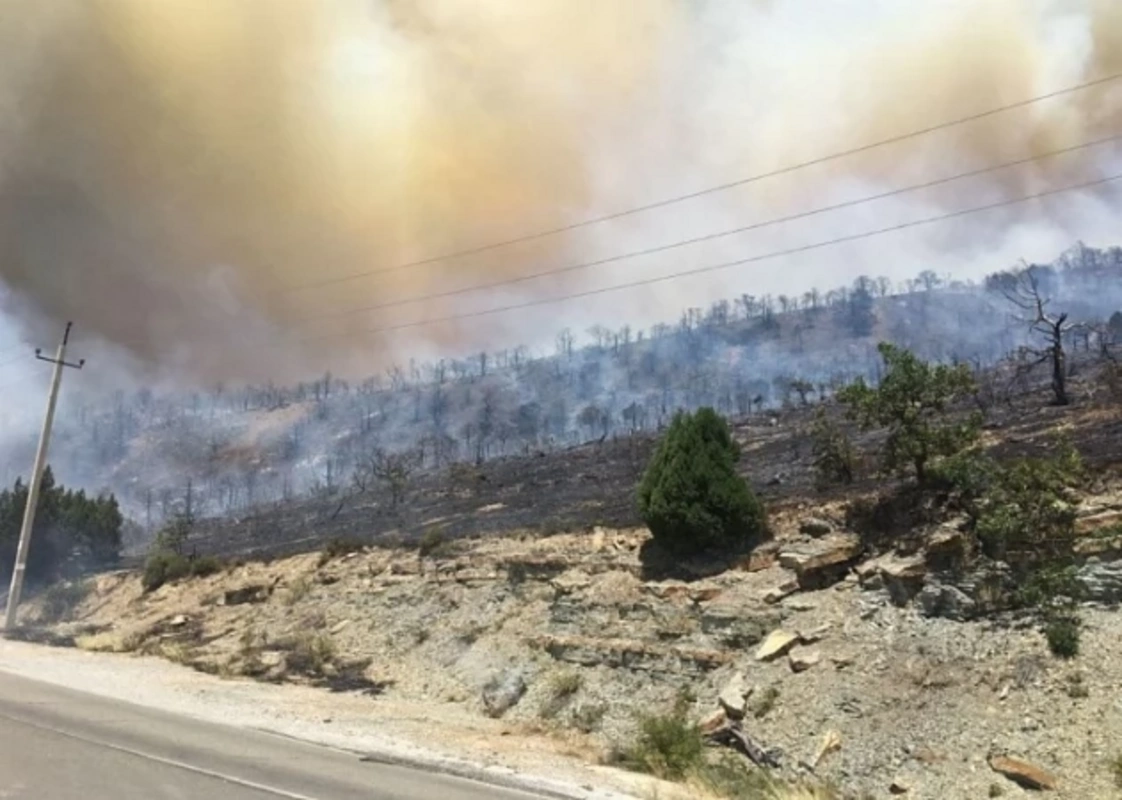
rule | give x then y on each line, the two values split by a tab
392	469
1027	296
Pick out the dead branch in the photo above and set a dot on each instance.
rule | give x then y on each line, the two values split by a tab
732	735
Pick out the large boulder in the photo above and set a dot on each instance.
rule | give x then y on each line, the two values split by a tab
939	600
823	562
503	692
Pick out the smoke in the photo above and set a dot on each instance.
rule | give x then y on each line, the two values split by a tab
169	171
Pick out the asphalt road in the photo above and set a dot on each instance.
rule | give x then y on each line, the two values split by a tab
58	744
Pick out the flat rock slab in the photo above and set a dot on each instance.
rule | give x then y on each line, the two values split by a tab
777	643
1023	773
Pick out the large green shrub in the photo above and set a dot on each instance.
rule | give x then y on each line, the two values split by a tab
912	403
691	496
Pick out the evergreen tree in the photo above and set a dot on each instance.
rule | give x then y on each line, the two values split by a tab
691	496
72	531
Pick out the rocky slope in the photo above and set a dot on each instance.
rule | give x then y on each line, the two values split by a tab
869	674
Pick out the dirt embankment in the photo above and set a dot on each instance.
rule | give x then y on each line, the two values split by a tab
548	647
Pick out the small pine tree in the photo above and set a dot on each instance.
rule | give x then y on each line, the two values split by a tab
691	497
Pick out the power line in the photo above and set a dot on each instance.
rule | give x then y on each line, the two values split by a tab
703	238
702	192
720	266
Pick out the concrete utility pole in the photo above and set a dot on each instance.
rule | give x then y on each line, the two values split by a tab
37	476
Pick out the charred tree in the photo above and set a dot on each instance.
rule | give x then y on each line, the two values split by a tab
1026	295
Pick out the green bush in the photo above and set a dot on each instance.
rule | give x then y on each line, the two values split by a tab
835	460
202	566
432	543
1027	514
1062	633
338	547
912	403
691	497
668	746
162	567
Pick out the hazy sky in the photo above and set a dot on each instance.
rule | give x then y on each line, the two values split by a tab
167	169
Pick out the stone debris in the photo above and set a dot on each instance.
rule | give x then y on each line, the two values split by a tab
734	697
802	660
777	644
1023	773
785	589
815	526
831	743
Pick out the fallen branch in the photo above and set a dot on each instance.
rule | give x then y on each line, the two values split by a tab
732	735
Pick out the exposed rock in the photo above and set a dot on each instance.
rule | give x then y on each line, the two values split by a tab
814	634
945	549
824	562
785	589
1103	519
868	572
704	592
734	697
178	621
1103	546
713	722
668	590
1023	773
503	692
627	654
938	600
570	582
735	626
802	660
776	644
903	577
338	627
1101	581
815	526
899	786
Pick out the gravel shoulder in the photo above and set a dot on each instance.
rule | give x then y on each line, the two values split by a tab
340	721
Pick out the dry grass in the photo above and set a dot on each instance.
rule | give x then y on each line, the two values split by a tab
111	642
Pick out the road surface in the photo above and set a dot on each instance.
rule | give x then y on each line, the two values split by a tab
59	744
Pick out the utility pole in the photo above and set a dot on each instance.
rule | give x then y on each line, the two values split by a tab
37	476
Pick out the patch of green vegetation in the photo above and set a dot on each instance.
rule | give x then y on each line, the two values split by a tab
668	746
911	403
164	566
202	566
562	687
691	496
338	547
1075	687
433	543
1116	770
835	459
309	653
1062	633
297	590
586	717
759	706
